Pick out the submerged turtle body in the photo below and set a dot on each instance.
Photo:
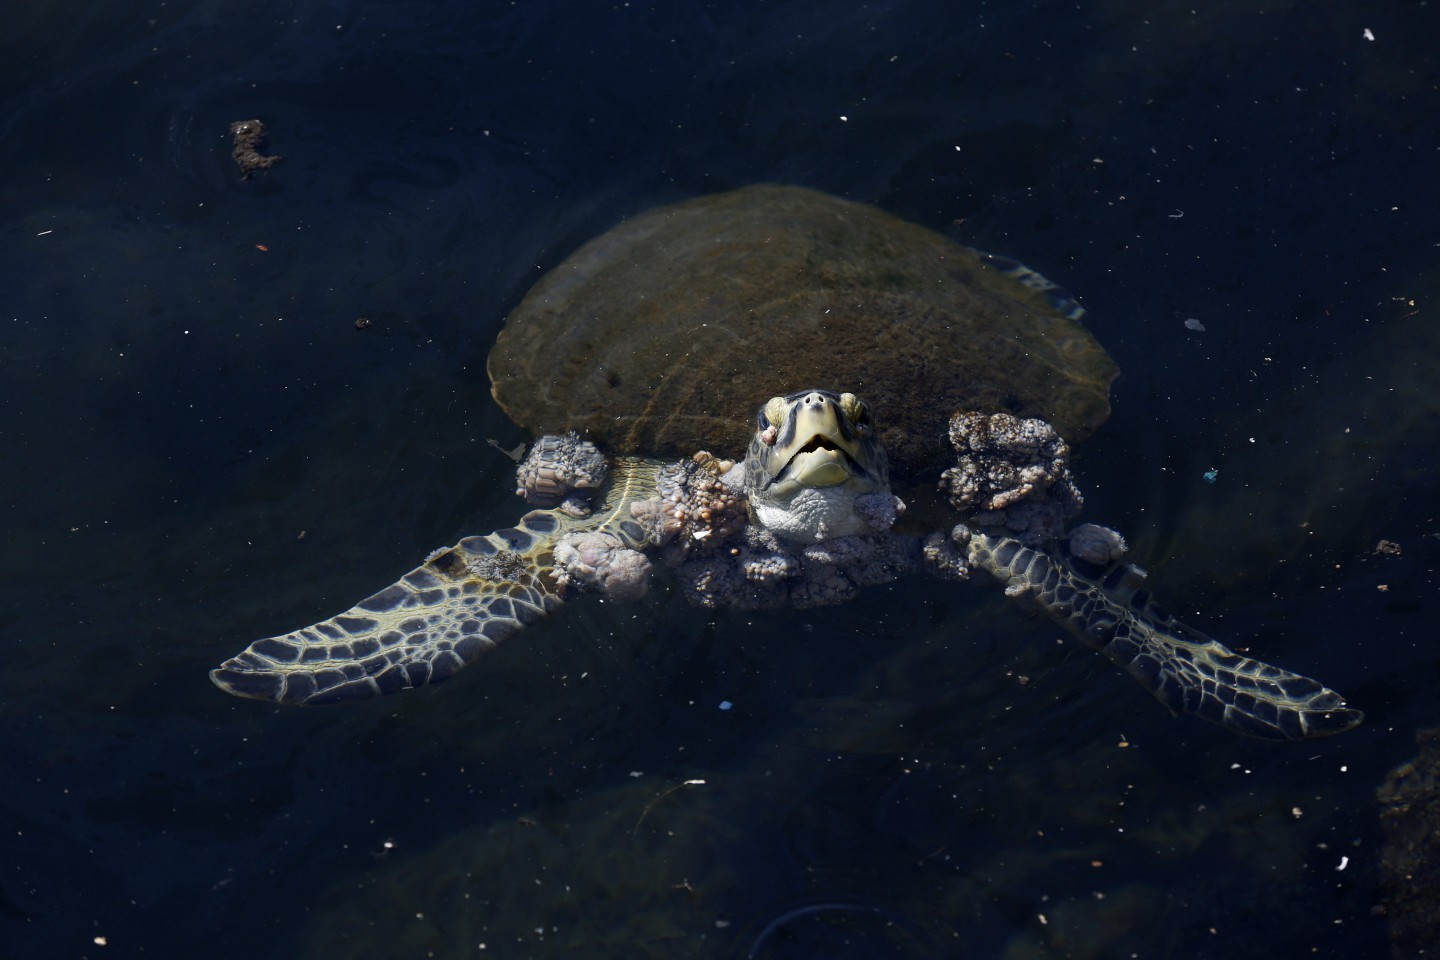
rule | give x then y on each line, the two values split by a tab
659	336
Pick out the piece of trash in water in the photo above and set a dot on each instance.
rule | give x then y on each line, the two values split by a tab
726	704
517	454
1211	475
250	138
1192	324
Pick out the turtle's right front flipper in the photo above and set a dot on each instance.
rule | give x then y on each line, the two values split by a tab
442	615
466	600
1183	668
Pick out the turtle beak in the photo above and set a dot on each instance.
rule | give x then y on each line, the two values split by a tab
820	462
820	446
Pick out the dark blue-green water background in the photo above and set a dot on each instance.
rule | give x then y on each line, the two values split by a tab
199	449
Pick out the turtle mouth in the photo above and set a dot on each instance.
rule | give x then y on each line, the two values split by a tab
819	462
820	442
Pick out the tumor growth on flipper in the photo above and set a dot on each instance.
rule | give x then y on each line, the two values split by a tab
1010	486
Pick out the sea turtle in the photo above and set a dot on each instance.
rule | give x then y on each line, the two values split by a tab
808	516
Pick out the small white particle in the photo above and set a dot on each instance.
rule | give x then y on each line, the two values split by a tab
844	119
1368	35
1344	862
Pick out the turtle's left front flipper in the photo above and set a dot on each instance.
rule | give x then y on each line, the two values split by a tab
1182	667
462	602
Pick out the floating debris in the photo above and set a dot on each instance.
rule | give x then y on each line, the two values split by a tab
250	139
1211	475
1192	323
1388	547
517	453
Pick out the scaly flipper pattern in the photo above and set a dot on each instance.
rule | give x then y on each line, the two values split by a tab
462	602
1185	670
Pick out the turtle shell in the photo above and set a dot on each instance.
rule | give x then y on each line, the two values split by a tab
664	335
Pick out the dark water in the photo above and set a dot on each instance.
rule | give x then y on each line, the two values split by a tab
199	449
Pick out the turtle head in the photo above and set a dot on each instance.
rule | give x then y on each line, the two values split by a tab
813	453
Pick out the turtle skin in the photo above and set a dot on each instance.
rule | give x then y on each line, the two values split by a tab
1107	610
466	600
461	602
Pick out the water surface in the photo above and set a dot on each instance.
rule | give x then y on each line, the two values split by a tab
200	449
